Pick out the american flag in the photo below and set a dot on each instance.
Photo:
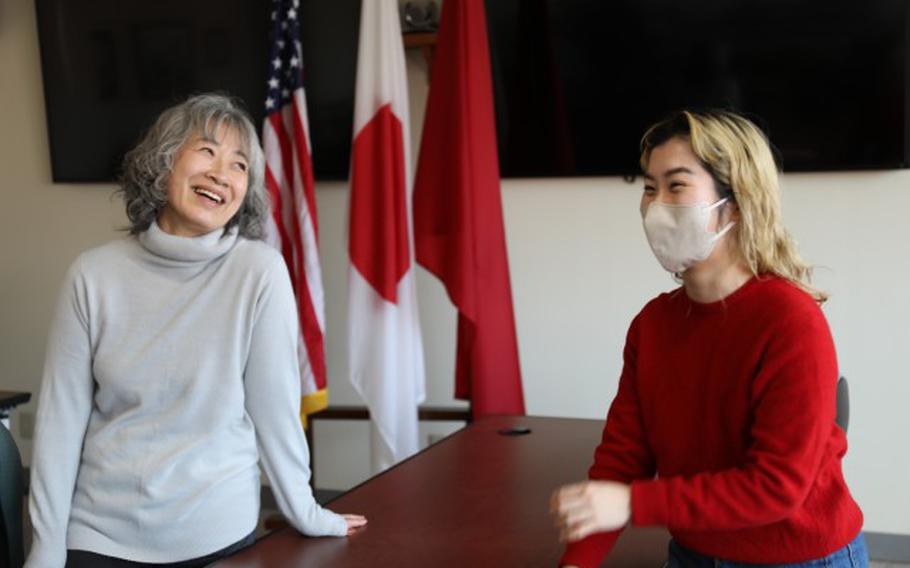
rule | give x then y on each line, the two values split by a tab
293	227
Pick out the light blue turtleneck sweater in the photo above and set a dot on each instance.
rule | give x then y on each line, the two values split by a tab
171	371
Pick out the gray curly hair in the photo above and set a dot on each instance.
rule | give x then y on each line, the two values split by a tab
147	167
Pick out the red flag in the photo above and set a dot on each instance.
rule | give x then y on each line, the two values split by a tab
457	208
292	227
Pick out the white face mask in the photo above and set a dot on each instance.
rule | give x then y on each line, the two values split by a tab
678	234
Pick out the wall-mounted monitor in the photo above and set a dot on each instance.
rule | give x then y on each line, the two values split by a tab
576	81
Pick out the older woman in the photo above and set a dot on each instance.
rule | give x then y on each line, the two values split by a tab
172	369
723	426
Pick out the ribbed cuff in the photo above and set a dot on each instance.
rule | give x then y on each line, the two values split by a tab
590	551
336	524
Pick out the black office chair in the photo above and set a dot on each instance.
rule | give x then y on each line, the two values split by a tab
842	418
11	549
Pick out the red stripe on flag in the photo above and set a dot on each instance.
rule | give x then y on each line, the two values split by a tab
379	231
277	208
306	166
309	325
312	335
285	145
287	156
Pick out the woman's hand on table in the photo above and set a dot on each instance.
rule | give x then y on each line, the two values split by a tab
588	507
354	522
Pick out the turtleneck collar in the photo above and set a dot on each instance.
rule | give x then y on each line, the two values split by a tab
187	249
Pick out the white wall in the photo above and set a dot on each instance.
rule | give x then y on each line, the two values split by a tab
42	226
580	270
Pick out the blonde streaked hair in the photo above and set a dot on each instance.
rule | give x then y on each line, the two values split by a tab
738	156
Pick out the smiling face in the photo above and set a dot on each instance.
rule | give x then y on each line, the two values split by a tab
674	175
207	184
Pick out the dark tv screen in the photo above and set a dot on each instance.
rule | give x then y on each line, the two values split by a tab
576	82
111	66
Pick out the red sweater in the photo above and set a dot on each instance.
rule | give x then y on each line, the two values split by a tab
724	426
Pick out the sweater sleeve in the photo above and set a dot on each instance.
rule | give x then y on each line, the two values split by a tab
64	408
272	394
793	405
623	455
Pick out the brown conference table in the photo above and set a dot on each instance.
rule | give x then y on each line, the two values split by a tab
476	498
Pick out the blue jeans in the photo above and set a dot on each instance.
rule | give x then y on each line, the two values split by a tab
854	555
